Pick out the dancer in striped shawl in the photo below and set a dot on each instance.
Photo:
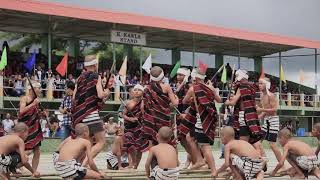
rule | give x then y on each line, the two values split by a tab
87	100
30	115
243	159
202	115
194	154
268	112
71	152
250	129
135	143
300	155
157	98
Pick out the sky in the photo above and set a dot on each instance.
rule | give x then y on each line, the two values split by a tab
293	18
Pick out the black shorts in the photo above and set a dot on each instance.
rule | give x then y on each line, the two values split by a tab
244	131
202	138
95	127
81	174
271	137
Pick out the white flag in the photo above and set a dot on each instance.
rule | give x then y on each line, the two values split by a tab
147	64
123	71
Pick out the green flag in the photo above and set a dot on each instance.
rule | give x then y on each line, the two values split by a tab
3	61
175	69
224	75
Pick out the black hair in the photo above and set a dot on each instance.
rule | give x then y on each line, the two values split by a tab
70	85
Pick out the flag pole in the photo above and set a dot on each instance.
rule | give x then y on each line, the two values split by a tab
140	63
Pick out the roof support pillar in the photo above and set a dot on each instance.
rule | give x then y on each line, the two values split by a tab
316	68
193	50
218	60
280	82
258	64
46	46
128	51
175	55
74	47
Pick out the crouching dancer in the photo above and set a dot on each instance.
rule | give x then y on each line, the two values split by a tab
243	159
71	153
165	156
116	154
301	157
12	152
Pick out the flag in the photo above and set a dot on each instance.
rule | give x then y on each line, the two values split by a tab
175	69
63	66
262	75
301	76
147	64
282	76
3	61
123	71
29	65
224	75
202	67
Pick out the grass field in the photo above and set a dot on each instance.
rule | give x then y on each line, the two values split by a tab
50	145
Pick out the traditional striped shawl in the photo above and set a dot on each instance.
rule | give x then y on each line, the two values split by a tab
248	94
86	98
207	112
157	112
31	119
134	139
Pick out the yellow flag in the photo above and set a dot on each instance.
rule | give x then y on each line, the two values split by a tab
301	76
282	76
123	71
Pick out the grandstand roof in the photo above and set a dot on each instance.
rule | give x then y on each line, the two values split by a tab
28	16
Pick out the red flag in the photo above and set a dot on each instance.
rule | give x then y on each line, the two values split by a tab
202	67
262	75
62	67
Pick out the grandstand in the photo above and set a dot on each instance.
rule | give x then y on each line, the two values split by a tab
51	21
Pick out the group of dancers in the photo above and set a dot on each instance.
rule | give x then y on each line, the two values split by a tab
150	126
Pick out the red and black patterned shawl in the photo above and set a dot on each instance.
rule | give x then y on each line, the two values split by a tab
86	98
157	112
32	119
207	112
248	103
181	94
134	139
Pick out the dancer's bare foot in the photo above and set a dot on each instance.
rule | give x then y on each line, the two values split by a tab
214	173
186	164
198	165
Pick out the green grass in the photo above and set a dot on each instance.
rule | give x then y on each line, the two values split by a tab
51	145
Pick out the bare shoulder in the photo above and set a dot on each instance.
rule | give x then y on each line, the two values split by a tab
23	99
130	104
118	138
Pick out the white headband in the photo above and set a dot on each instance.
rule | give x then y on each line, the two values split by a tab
268	85
184	71
90	63
139	87
34	85
195	74
159	78
241	74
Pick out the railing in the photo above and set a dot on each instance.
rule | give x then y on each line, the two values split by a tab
286	99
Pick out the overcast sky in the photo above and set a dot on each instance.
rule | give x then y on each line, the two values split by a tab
295	18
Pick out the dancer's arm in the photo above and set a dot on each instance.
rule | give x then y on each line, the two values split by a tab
148	163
